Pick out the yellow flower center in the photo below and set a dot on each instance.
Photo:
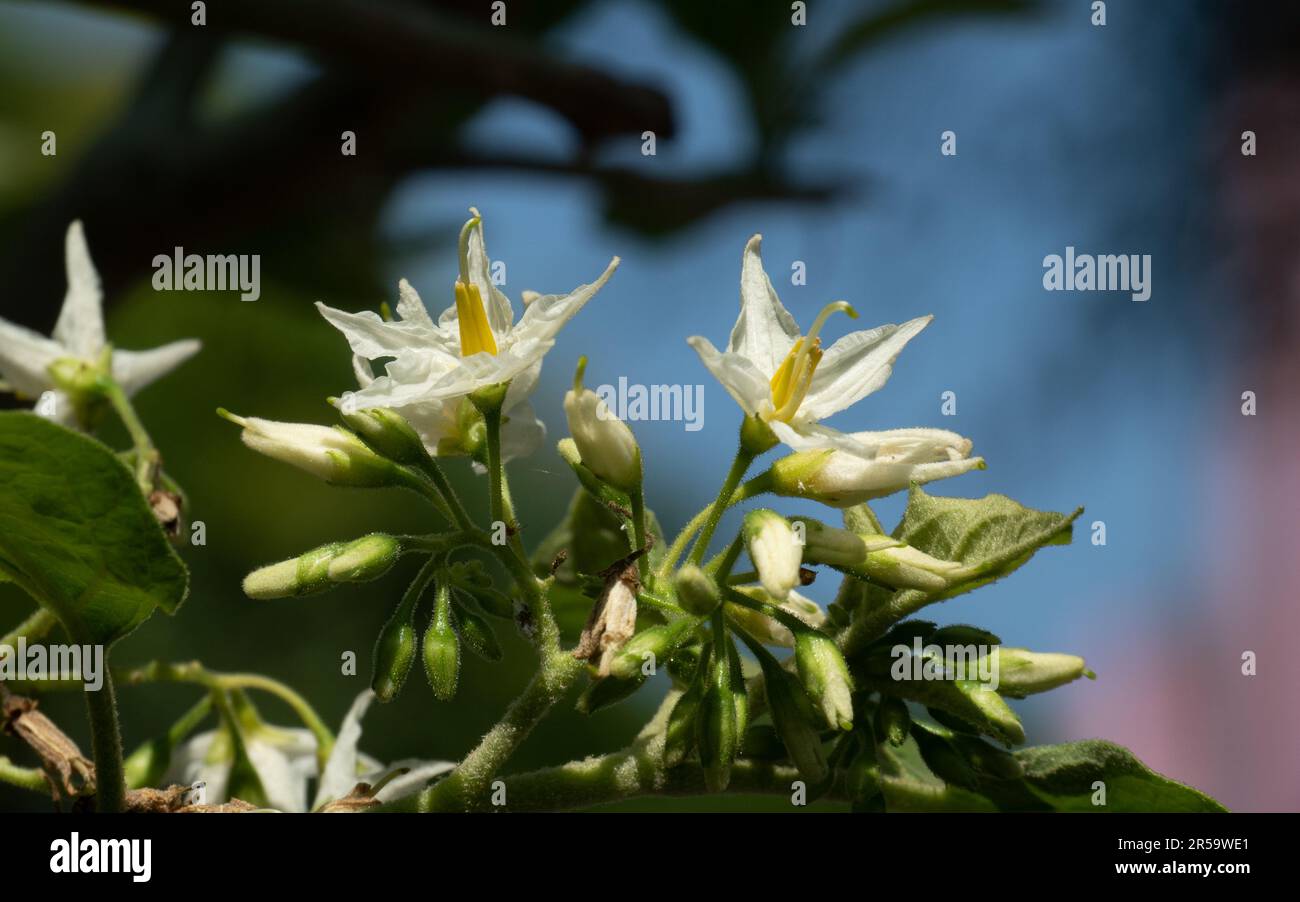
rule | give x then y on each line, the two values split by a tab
792	379
475	333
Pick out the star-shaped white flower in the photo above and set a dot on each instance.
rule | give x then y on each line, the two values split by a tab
26	356
284	761
476	343
784	378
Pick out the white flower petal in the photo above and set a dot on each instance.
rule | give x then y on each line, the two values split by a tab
133	370
25	357
80	327
857	365
501	315
371	337
283	782
546	315
765	331
738	375
341	771
420	773
410	308
809	436
522	432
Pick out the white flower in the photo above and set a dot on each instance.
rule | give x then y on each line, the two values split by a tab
880	464
784	378
347	766
26	356
475	343
284	762
604	442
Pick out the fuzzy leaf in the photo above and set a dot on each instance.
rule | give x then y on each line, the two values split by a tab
1063	775
77	535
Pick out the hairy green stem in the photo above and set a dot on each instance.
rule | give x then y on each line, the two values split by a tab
196	673
738	467
32	778
36	626
429	467
147	458
756	486
106	748
469	785
639	531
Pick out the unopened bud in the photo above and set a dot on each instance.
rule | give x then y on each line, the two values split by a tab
794	719
825	676
1022	672
653	644
768	630
303	575
697	592
331	453
477	634
890	461
394	654
716	735
775	550
442	648
386	431
364	559
605	443
893	721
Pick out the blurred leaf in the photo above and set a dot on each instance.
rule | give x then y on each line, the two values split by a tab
1063	775
77	535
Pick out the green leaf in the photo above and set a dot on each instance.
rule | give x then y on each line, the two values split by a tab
992	535
77	535
1063	775
909	784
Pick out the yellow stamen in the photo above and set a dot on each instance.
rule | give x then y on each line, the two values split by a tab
793	378
475	333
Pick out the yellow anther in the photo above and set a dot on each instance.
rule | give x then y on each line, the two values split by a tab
475	333
793	378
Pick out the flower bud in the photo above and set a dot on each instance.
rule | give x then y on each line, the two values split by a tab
830	545
878	557
679	735
888	462
716	735
904	567
394	653
696	591
653	644
1022	672
825	676
605	443
998	714
303	575
442	649
364	559
385	430
477	634
606	691
775	550
794	719
331	453
769	630
893	720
